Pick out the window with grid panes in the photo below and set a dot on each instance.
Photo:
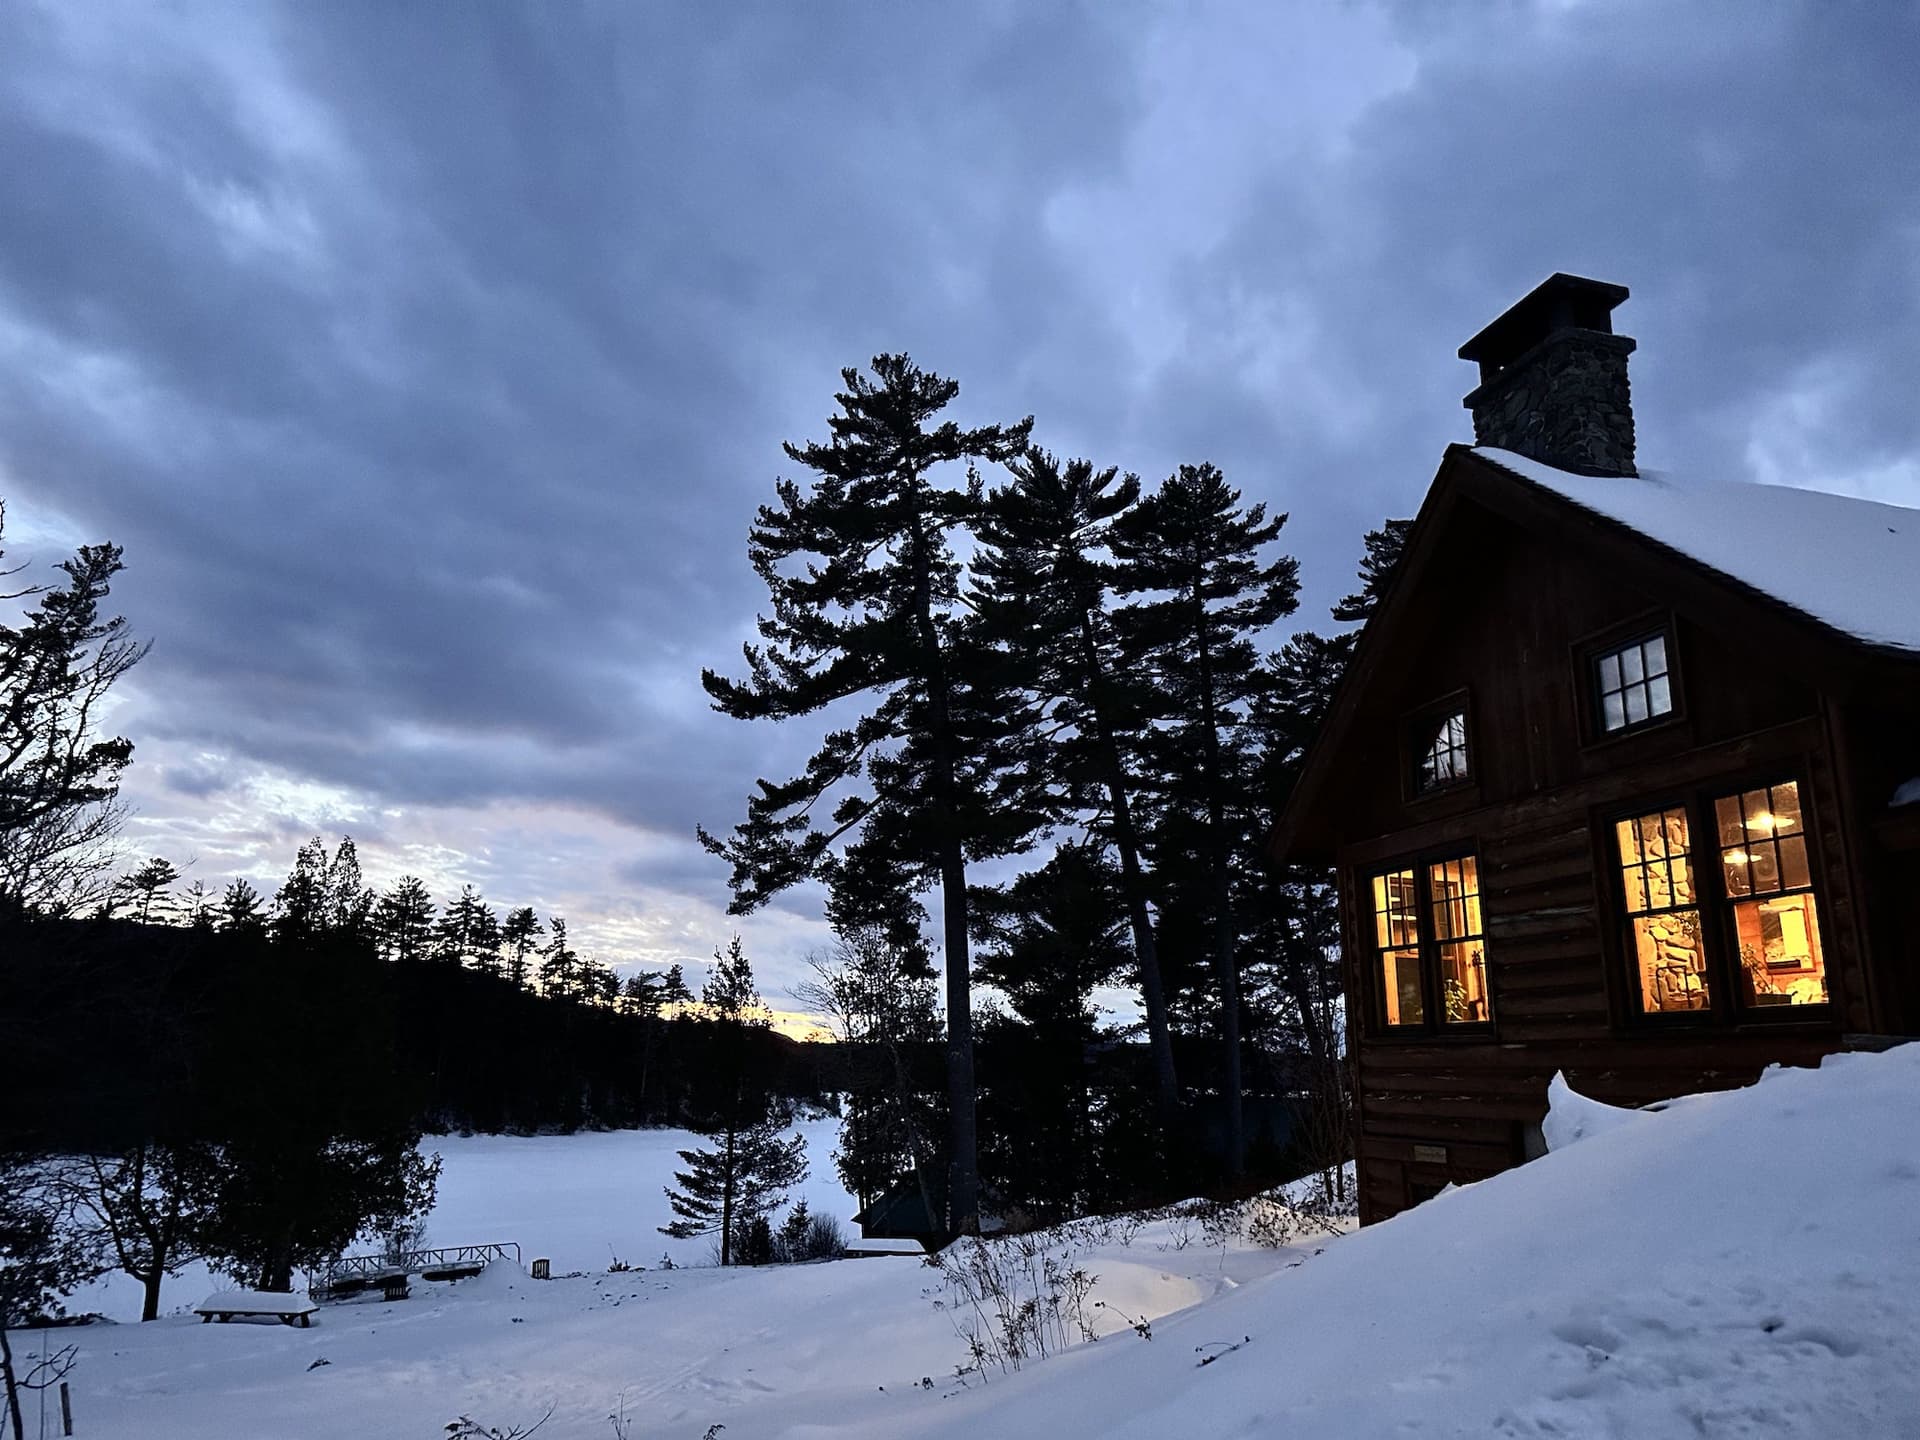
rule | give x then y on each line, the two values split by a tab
1453	890
1633	684
1396	929
1442	753
1738	933
1429	943
1768	882
1663	911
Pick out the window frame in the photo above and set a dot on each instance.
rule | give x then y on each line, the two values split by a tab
1589	651
1432	1025
1718	939
1782	890
1414	740
1627	914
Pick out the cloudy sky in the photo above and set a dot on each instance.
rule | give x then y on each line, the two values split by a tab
429	359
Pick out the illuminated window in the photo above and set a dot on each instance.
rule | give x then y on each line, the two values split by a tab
1445	956
1633	684
1740	936
1769	888
1396	924
1453	889
1441	757
1663	912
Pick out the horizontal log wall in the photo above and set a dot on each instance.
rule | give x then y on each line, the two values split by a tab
1558	977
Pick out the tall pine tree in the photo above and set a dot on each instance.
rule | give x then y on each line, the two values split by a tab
1048	941
1292	916
403	921
145	890
865	591
1043	575
1204	590
520	936
559	964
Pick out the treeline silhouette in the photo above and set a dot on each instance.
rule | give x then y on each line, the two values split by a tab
112	1008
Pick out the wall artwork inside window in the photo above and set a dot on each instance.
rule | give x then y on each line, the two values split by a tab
1763	948
1663	912
1769	886
1633	684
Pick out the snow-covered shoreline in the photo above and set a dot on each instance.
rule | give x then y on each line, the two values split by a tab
1737	1264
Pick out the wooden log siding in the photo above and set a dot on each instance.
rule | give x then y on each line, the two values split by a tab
1560	981
1506	596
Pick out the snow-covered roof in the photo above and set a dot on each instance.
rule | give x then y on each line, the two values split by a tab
1849	563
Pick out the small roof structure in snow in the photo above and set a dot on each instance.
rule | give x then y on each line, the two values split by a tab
1851	564
908	1212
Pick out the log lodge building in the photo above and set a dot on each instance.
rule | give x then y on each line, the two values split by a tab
1621	781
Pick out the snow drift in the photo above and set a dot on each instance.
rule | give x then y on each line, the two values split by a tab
1737	1264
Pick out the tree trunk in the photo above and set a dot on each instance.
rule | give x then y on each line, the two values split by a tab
647	1041
150	1286
726	1194
1225	962
1330	1093
903	1098
276	1274
12	1383
963	1166
1133	888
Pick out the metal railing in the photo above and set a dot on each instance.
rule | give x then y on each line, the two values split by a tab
367	1269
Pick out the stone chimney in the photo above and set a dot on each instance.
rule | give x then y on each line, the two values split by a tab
1553	379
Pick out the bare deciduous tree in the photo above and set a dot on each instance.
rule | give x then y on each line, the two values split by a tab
136	1211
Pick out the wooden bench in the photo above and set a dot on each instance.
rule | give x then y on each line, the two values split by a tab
226	1304
464	1271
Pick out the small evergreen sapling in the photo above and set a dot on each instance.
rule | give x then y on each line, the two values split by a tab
749	1169
725	1189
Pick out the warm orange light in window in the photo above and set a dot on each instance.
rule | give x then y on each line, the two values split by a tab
1657	878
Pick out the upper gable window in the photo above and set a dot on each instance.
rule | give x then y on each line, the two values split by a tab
1633	684
1440	753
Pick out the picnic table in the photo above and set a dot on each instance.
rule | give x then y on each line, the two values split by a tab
223	1305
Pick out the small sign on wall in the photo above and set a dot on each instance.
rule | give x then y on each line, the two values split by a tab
1429	1154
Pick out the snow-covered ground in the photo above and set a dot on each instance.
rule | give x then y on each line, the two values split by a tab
1745	1264
756	1350
579	1201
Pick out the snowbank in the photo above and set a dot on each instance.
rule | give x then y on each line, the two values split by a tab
1572	1117
1739	1264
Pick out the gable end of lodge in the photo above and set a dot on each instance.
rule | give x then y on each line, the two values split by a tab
1623	780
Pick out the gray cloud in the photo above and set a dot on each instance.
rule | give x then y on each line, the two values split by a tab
430	365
